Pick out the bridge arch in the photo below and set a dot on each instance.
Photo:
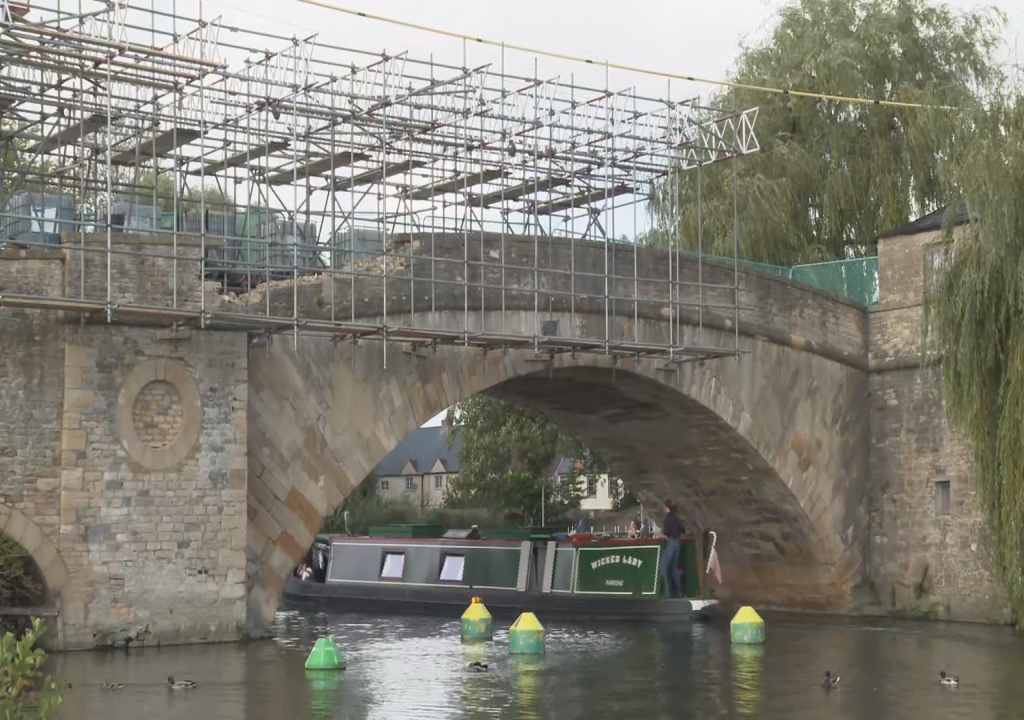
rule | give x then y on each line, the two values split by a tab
44	553
769	449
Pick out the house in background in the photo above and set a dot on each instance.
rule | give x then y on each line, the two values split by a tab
419	468
598	491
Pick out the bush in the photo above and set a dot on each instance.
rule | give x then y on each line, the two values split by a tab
366	509
24	693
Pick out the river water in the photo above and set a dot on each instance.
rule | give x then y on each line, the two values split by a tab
416	669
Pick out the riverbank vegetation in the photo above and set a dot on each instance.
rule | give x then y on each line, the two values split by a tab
25	693
366	508
18	587
975	316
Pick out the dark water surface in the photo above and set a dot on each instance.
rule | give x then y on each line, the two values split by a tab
415	669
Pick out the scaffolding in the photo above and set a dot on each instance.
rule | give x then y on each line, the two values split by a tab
288	184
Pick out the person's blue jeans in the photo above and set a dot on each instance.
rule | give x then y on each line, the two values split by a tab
670	568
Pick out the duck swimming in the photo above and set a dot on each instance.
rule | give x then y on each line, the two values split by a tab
477	666
829	681
943	680
180	685
112	686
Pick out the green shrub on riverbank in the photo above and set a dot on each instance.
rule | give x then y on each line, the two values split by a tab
25	694
367	509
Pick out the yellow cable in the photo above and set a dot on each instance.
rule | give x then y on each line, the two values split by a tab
629	68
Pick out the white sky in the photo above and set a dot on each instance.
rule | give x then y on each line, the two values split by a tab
436	420
693	38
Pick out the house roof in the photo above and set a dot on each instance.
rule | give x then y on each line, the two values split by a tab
422	448
564	466
926	223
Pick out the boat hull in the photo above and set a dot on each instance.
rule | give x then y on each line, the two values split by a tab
452	601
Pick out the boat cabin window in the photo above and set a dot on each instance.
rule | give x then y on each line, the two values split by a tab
394	563
451	568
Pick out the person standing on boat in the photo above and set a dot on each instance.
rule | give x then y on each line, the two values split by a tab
674	530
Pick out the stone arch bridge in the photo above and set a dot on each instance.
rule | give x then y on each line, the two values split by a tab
178	475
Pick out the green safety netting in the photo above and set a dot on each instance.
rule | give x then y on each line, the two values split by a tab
855	280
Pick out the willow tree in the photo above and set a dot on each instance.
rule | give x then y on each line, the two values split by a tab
832	175
975	316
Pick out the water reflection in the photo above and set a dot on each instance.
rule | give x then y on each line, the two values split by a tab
417	668
746	678
526	671
323	691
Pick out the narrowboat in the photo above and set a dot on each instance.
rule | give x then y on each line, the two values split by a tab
417	569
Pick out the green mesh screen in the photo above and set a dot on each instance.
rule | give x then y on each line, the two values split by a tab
854	280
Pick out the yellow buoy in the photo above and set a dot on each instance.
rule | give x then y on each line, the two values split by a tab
747	627
476	621
526	636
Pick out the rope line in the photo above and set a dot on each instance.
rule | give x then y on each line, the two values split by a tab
631	68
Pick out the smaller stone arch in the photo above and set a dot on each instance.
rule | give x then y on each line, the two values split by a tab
20	528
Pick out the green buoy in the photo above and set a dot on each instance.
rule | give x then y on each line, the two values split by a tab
747	627
476	622
325	656
526	636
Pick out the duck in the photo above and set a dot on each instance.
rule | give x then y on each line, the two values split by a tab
180	685
477	666
944	680
829	681
112	686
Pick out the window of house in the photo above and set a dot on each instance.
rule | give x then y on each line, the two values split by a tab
451	568
410	483
394	564
439	482
591	487
942	505
384	485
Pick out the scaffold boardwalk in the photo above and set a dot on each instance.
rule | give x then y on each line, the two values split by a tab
295	184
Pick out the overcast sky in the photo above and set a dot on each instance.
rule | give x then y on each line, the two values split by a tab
693	38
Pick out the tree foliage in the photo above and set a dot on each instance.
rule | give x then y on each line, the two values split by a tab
832	175
975	316
17	586
508	455
188	199
25	694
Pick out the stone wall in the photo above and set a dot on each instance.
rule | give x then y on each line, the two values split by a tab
31	391
123	450
153	483
142	269
429	275
925	561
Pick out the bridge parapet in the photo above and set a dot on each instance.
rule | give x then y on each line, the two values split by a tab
156	279
481	274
